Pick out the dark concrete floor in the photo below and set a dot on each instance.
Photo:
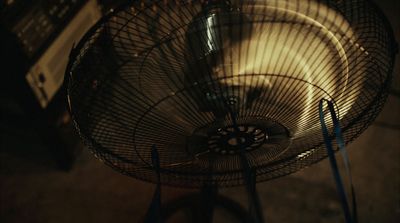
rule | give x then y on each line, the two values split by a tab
33	190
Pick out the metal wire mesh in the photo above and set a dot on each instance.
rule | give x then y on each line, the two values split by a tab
165	73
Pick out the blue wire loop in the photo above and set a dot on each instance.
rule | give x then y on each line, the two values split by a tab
350	216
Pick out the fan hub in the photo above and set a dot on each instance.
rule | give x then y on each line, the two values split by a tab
227	140
234	141
256	136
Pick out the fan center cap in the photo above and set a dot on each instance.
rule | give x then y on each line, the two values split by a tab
227	140
234	141
260	137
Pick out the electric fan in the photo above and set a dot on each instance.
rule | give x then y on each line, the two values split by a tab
211	82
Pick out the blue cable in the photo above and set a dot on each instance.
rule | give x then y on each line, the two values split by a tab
351	217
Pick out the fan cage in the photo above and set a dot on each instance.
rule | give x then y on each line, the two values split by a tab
93	62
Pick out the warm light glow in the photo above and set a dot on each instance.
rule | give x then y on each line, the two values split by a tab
304	49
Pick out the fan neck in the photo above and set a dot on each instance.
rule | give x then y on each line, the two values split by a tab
209	6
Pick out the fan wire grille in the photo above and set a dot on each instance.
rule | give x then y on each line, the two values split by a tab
136	80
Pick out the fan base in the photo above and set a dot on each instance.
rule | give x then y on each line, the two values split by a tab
191	208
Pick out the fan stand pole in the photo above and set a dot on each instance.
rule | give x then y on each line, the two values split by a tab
255	213
208	198
153	214
208	195
201	205
193	206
